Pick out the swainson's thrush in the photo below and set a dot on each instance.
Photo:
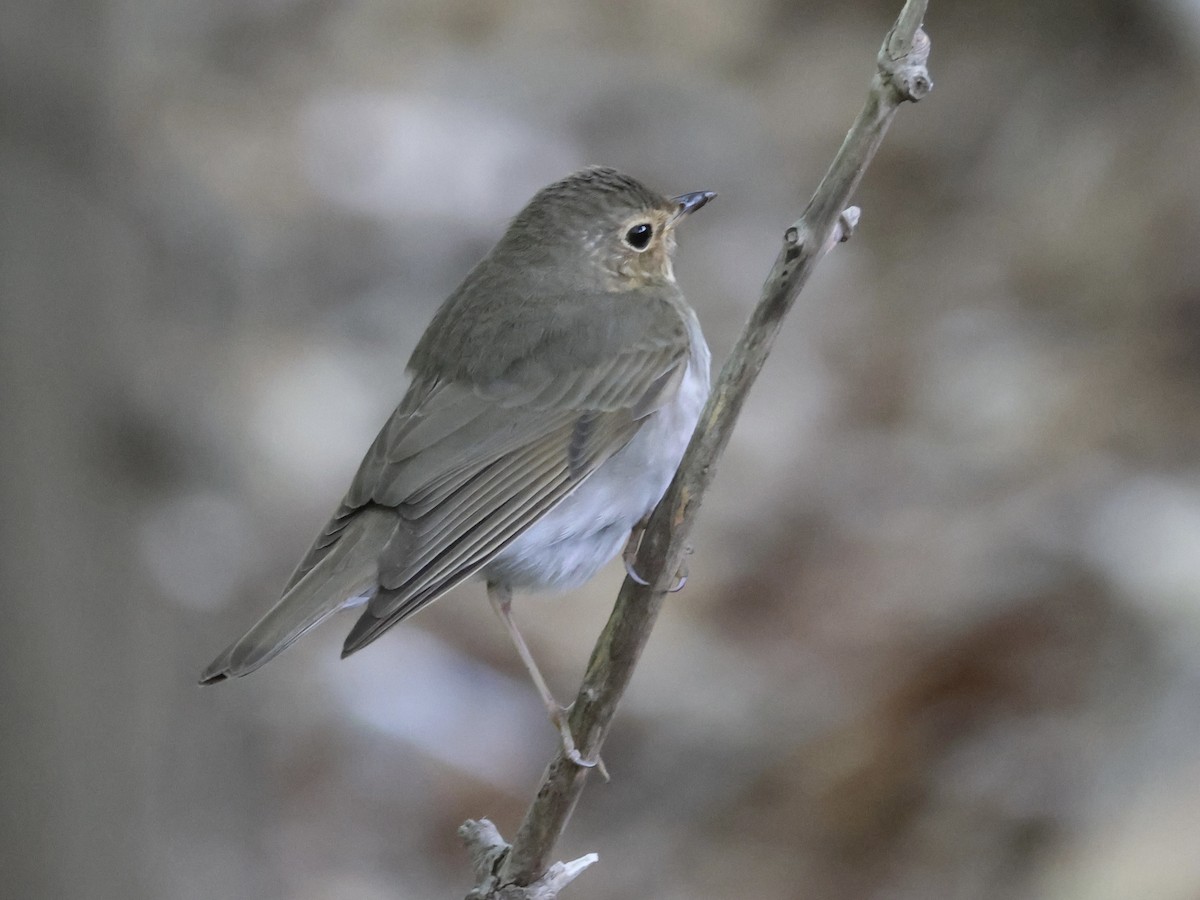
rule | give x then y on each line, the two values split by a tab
552	397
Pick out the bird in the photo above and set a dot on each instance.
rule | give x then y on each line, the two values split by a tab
551	399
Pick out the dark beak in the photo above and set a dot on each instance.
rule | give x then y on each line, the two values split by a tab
689	203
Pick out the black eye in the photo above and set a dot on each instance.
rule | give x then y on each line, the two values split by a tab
638	237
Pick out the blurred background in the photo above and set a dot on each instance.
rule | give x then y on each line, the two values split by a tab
942	634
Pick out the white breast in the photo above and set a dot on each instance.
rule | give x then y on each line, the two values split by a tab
588	528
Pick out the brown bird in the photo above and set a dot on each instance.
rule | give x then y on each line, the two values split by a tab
552	397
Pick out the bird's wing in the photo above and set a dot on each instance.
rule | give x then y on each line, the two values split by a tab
469	468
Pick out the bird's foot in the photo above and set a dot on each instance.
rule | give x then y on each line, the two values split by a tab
629	557
558	717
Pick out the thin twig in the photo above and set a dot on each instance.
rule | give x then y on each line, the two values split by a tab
901	77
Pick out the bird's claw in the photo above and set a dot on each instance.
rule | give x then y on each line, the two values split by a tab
681	577
632	573
559	720
629	557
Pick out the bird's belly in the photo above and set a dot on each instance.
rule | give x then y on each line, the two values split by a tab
576	538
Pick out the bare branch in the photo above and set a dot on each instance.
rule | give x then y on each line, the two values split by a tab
901	77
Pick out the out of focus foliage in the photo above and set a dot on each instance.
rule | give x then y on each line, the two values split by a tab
942	635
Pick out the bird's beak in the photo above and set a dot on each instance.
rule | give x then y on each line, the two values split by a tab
689	203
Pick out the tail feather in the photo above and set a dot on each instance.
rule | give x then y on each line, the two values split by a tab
347	571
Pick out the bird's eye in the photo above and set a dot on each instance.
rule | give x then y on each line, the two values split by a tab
638	237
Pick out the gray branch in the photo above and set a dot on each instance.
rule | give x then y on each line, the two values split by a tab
488	852
901	76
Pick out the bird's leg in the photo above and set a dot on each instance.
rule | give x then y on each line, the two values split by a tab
629	557
501	597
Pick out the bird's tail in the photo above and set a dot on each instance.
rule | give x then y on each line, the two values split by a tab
346	572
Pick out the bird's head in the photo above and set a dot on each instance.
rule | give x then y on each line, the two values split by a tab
601	230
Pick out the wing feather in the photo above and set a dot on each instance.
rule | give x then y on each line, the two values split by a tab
473	536
471	464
